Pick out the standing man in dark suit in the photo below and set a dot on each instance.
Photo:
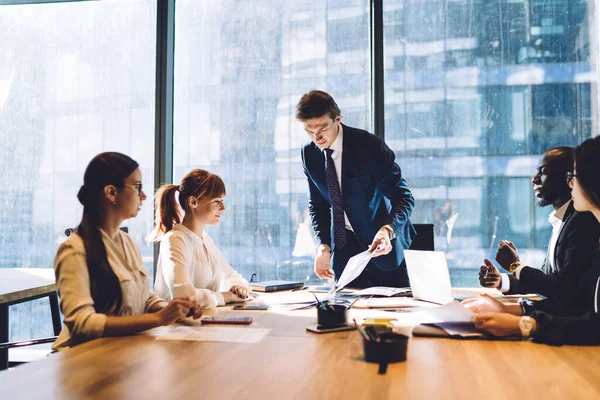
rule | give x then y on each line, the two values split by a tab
358	199
572	244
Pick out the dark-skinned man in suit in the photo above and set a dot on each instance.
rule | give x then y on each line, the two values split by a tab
572	244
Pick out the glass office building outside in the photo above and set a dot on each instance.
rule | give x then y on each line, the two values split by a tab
475	91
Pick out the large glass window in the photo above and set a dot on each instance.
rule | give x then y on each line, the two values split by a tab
240	68
76	79
475	93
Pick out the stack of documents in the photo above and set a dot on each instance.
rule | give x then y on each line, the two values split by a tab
449	320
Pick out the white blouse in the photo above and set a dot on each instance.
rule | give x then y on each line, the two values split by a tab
182	260
81	321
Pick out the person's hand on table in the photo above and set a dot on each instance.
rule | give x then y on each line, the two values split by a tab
177	309
499	324
241	291
230	297
484	304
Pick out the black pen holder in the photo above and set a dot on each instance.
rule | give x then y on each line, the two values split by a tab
390	349
331	315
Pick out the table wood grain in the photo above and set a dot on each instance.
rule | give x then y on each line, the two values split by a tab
293	364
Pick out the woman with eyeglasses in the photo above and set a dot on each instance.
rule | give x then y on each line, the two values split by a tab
102	283
189	262
508	320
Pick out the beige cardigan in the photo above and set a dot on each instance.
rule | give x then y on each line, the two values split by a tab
81	321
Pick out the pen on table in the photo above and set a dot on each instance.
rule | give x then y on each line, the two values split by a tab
372	332
319	302
351	304
361	330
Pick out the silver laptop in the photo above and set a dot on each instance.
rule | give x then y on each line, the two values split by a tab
429	276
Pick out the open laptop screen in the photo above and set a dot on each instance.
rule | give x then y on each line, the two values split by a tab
429	276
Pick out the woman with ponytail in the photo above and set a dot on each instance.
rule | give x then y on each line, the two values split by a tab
103	286
189	262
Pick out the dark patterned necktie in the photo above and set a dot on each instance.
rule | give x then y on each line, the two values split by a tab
335	196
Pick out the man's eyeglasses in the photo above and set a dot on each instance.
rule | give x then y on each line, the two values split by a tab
570	176
138	186
320	130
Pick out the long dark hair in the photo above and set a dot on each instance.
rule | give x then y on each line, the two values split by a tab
587	163
196	183
105	169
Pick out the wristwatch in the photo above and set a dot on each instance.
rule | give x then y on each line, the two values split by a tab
525	326
391	231
513	267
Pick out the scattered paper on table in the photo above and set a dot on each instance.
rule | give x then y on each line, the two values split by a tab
390	302
210	334
382	291
452	312
462	330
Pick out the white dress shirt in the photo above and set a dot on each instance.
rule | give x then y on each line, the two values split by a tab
183	260
596	297
337	147
556	220
81	321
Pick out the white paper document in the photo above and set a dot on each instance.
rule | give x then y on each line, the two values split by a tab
381	291
452	312
353	269
389	302
210	334
462	330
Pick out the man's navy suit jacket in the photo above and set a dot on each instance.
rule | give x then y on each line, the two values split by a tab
373	193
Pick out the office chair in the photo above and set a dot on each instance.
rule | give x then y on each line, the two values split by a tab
69	231
424	239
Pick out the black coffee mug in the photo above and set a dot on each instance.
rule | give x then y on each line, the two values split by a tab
331	315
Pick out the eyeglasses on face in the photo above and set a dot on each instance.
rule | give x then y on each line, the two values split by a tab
320	130
138	186
570	176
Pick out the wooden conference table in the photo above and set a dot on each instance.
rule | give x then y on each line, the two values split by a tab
290	363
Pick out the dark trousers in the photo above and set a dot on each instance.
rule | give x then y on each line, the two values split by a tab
372	275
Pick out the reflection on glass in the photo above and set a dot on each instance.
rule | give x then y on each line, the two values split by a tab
240	68
475	92
76	79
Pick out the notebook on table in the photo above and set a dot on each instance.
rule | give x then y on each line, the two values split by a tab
274	286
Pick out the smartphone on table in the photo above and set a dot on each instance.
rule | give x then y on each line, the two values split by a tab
227	320
257	307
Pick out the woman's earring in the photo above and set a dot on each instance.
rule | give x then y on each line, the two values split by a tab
114	203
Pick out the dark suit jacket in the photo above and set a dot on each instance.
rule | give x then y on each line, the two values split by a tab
577	242
584	330
373	194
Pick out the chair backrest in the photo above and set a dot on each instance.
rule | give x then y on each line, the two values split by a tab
69	231
424	238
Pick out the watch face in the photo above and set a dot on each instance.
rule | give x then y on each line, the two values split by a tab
513	267
525	326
